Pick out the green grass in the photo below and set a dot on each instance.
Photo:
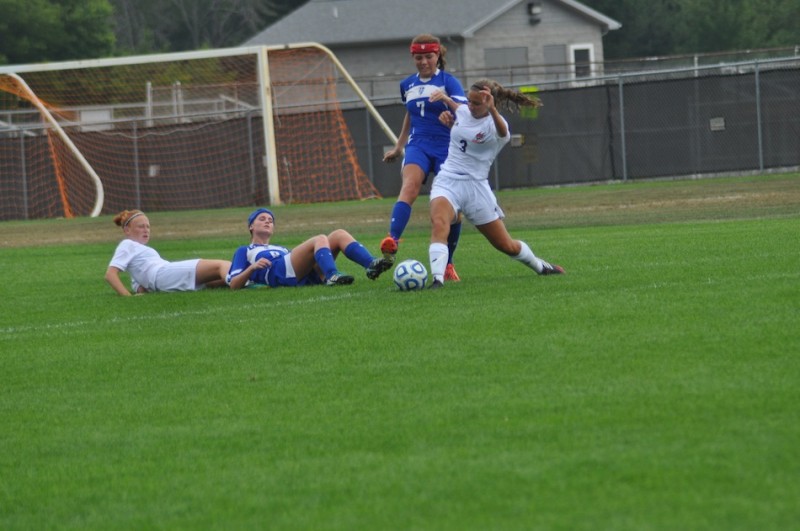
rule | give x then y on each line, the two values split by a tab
655	386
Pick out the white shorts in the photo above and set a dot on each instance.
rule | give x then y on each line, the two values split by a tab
472	198
178	276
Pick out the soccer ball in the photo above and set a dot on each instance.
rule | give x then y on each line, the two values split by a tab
410	275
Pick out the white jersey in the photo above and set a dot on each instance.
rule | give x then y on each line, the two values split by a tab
140	261
474	144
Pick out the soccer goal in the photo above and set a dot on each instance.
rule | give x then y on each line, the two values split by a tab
208	129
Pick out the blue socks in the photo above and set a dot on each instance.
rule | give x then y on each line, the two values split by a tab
401	213
325	261
354	251
452	240
358	254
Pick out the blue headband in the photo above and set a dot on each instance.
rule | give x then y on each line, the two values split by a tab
255	214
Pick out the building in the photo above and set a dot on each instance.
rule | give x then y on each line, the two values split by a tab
512	41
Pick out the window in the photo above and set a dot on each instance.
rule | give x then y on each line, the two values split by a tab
581	60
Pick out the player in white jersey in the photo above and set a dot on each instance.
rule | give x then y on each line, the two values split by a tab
423	138
150	272
478	133
311	262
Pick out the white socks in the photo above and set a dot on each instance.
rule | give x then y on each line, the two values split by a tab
527	257
438	256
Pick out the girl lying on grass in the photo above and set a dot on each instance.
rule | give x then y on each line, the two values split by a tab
311	262
150	272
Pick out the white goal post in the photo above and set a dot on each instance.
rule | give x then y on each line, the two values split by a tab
266	101
274	160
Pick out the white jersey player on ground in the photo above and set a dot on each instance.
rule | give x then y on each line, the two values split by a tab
478	133
150	272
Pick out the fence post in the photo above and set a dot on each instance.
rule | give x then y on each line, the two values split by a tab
136	170
24	173
148	108
623	152
758	118
251	153
370	167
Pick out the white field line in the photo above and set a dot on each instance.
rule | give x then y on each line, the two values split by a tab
241	310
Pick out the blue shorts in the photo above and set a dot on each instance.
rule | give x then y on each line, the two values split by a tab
427	152
282	274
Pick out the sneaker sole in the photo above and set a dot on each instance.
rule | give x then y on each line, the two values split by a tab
557	270
343	280
383	265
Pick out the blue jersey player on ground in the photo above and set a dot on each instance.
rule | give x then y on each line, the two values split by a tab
311	262
423	138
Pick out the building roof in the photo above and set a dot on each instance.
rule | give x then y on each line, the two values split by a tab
338	22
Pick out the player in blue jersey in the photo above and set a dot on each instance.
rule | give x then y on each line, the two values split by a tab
478	133
312	262
423	139
150	272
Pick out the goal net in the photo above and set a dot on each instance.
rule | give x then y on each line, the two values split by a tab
196	130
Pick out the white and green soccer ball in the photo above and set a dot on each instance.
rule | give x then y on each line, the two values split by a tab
410	275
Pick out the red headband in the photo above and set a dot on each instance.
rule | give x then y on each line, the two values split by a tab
425	47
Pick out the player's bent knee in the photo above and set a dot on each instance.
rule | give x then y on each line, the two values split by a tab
339	234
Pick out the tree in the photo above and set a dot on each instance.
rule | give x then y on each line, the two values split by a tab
144	26
648	27
668	27
33	31
723	25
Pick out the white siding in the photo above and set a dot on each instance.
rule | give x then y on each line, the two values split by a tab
558	25
378	68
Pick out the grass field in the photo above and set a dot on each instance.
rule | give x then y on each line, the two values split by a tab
655	386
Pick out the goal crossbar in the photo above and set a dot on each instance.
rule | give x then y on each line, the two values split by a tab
266	101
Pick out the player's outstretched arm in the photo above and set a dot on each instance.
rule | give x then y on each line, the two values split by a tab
402	139
112	277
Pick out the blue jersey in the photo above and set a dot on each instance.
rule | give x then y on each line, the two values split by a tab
246	255
424	114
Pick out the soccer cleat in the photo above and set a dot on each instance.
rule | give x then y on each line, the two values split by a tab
436	284
549	269
450	273
378	266
389	248
339	279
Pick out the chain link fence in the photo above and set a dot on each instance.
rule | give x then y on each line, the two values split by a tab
732	118
729	118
